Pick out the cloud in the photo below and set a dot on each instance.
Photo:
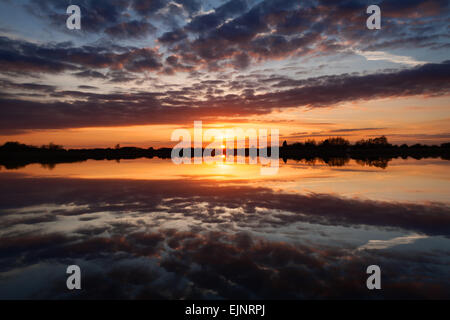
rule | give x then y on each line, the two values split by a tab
206	22
118	19
184	106
22	56
355	130
278	29
87	87
380	55
90	74
97	14
384	244
132	29
27	86
233	35
264	30
172	36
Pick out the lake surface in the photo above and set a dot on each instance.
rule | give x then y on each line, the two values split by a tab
149	229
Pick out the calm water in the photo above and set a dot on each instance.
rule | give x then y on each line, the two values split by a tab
150	229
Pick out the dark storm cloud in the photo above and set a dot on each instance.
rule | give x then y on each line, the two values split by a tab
151	8
172	36
327	133
115	17
231	35
88	87
18	56
417	8
206	22
90	74
354	130
140	60
173	66
97	14
326	90
281	28
408	42
265	30
109	112
27	86
185	106
22	56
421	136
145	7
119	76
20	63
132	29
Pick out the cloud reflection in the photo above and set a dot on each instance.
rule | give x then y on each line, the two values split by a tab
170	240
205	202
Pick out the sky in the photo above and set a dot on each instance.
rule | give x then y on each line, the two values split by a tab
137	70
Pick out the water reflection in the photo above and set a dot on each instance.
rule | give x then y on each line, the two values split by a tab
380	162
149	229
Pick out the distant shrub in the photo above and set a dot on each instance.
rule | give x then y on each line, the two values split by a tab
52	146
376	142
335	142
14	146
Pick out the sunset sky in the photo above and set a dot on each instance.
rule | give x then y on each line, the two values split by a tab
137	70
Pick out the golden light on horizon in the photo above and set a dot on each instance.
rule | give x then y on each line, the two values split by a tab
351	121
